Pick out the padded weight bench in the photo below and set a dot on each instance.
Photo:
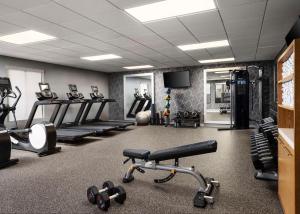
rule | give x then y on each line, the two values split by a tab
144	159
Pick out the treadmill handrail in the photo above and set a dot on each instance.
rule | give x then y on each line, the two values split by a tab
42	103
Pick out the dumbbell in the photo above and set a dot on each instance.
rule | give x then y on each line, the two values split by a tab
103	199
92	191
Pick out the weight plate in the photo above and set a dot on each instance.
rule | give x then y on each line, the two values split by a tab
38	136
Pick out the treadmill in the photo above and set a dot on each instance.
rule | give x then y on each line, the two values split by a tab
47	97
148	98
74	98
97	97
137	105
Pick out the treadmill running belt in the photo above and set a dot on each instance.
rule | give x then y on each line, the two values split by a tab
68	134
110	123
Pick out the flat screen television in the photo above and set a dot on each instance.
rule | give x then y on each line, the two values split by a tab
177	79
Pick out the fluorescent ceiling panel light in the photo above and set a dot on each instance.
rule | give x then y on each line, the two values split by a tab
205	45
222	72
138	67
216	70
101	57
225	76
26	37
170	9
216	60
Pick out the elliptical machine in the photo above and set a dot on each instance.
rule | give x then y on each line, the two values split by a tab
39	138
137	105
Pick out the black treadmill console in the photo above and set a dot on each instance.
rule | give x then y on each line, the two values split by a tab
74	94
45	92
137	94
95	93
147	95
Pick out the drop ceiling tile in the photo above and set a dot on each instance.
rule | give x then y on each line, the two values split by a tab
132	3
6	28
136	30
30	22
84	51
83	25
23	4
244	59
101	11
172	30
204	24
199	54
53	12
230	3
243	27
124	42
268	52
224	52
245	11
59	43
4	10
279	8
104	35
277	26
271	41
89	42
244	52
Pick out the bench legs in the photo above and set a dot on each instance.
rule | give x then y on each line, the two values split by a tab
206	185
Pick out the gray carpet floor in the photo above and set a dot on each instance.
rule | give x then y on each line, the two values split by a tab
58	183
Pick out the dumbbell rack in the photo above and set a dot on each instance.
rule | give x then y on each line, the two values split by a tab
288	68
187	122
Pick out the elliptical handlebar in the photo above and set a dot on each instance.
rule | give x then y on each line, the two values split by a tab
18	97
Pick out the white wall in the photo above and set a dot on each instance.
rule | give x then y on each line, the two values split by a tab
60	76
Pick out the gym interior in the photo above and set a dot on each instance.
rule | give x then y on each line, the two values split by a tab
149	106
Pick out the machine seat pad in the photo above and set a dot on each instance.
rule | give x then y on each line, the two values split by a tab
136	153
184	151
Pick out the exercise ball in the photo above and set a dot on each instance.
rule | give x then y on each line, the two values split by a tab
143	118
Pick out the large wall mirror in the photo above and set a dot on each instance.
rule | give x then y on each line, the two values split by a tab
217	95
138	94
222	93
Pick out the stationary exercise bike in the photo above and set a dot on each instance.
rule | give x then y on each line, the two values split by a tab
39	138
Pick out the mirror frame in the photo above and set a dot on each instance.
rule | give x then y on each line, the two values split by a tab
125	91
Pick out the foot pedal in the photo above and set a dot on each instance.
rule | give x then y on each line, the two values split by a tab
199	200
127	179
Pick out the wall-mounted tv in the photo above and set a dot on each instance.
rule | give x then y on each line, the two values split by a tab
177	79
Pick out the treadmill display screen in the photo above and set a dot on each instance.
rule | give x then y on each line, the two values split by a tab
94	89
44	87
73	88
5	83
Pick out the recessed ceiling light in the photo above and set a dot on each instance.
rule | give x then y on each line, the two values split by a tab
217	70
169	9
222	72
26	37
216	60
101	57
214	44
138	67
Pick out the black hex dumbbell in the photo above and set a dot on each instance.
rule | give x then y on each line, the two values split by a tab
107	187
103	199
